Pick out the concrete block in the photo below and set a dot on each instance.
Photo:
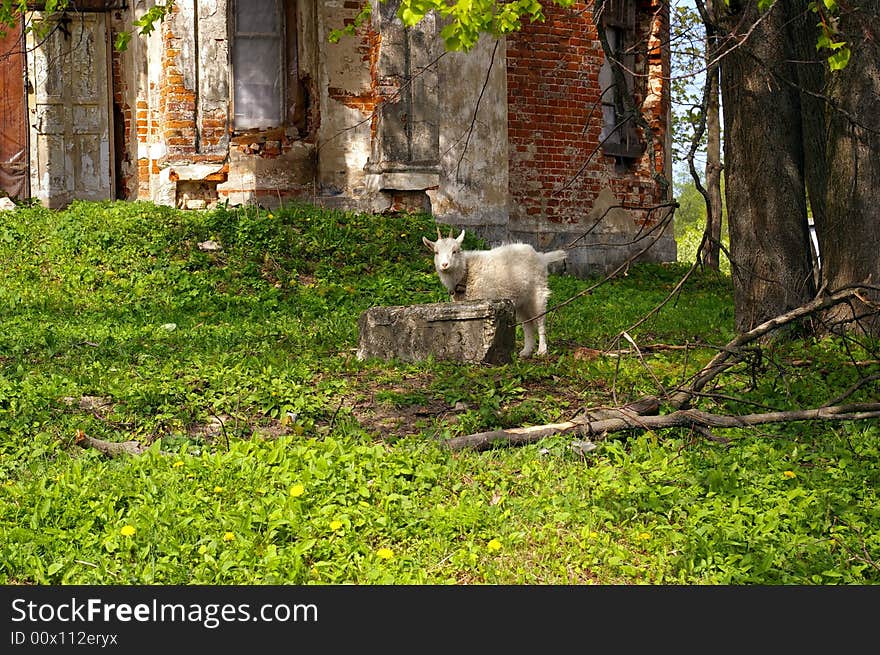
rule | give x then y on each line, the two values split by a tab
478	331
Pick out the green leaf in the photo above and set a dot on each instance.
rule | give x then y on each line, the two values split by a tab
409	17
839	59
122	40
824	41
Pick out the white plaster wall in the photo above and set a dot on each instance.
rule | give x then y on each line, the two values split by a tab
343	139
473	149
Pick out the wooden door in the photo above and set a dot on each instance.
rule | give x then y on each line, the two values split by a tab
69	109
13	115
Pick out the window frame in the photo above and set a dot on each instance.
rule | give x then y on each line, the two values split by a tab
289	111
623	142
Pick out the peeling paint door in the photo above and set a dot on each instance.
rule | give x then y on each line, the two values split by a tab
13	109
69	110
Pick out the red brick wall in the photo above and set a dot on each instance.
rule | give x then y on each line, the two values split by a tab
554	119
177	103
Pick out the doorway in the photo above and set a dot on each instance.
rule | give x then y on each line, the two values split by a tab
70	122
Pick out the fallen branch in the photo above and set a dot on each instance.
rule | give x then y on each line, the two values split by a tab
109	448
731	353
628	420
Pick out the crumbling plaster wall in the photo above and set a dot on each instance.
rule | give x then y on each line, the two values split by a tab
473	189
174	86
136	83
346	99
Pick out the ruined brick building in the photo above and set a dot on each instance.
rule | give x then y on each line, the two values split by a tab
523	138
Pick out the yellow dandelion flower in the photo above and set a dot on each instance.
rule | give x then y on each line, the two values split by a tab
218	490
178	464
494	545
297	490
203	549
127	530
644	535
789	474
335	525
228	536
385	553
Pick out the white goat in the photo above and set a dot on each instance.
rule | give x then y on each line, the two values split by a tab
515	271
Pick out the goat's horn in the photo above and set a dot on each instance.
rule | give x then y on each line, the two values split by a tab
451	230
439	236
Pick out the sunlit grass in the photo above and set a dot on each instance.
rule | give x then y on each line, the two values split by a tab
276	457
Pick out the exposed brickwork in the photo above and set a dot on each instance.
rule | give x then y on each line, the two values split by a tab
556	166
177	103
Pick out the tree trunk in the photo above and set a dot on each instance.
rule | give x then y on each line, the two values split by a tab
850	237
764	158
810	69
712	247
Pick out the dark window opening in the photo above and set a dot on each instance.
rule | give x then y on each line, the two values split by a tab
619	136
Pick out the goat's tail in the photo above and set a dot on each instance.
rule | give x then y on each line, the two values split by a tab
553	256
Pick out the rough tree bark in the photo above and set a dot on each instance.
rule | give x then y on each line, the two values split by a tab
765	192
810	71
849	237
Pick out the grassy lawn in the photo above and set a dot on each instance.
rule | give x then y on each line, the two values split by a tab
276	457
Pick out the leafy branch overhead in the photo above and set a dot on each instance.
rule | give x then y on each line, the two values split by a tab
11	12
145	24
466	20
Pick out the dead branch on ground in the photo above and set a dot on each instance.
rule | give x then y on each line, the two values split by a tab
682	418
109	448
732	352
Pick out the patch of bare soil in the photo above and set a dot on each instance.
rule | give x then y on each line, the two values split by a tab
416	407
378	413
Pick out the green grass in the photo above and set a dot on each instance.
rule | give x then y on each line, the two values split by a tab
276	457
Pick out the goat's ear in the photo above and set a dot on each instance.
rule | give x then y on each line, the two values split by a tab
460	238
428	243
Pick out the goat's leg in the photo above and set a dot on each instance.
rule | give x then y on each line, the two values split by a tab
528	339
542	337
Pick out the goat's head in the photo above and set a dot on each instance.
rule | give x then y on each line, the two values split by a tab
446	250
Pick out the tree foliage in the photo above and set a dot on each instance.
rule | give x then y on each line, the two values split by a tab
12	11
465	20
